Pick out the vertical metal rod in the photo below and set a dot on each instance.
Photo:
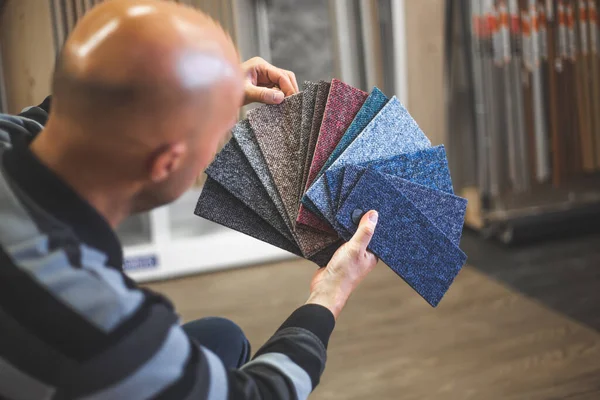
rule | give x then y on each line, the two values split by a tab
511	128
477	49
515	67
399	43
541	139
3	99
371	37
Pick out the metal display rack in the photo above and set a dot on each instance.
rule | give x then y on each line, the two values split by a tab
524	114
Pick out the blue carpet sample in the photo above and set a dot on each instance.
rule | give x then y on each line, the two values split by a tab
428	167
446	211
391	132
232	170
405	239
368	111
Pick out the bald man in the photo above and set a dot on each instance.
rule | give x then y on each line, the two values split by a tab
144	93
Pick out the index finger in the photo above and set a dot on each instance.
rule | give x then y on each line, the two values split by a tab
280	78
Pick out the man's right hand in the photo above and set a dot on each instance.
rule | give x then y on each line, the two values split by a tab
332	285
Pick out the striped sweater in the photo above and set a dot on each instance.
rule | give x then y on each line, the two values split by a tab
74	326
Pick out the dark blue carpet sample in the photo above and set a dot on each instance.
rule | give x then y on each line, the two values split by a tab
370	108
232	170
446	211
428	167
405	239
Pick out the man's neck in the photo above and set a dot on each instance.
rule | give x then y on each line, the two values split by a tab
106	194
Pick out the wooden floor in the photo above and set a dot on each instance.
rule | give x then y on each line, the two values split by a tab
484	341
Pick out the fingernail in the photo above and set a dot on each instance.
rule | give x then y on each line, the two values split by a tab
373	216
278	97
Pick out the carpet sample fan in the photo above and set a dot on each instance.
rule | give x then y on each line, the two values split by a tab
300	175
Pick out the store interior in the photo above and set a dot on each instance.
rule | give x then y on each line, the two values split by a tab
516	103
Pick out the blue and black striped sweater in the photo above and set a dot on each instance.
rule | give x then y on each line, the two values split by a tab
74	326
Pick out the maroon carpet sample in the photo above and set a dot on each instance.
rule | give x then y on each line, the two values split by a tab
343	104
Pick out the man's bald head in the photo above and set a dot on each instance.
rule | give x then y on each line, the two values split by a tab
144	93
146	55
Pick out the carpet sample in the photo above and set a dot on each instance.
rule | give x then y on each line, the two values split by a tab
216	204
233	172
371	107
276	129
428	167
243	134
391	132
320	104
308	111
343	104
409	243
446	211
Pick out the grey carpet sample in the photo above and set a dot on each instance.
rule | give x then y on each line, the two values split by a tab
242	132
405	239
308	110
218	205
320	104
233	172
277	130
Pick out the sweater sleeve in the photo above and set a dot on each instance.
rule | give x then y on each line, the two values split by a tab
290	364
24	126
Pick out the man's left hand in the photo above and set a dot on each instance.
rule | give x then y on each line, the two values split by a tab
266	83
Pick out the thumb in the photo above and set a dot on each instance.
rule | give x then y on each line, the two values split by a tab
263	95
366	229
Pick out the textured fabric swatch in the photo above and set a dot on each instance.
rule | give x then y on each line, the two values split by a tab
427	167
409	243
276	128
308	111
446	211
218	205
242	132
233	172
320	103
343	104
367	112
391	132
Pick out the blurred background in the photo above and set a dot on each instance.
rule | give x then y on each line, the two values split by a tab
511	87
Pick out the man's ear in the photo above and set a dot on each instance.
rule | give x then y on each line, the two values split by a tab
166	161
